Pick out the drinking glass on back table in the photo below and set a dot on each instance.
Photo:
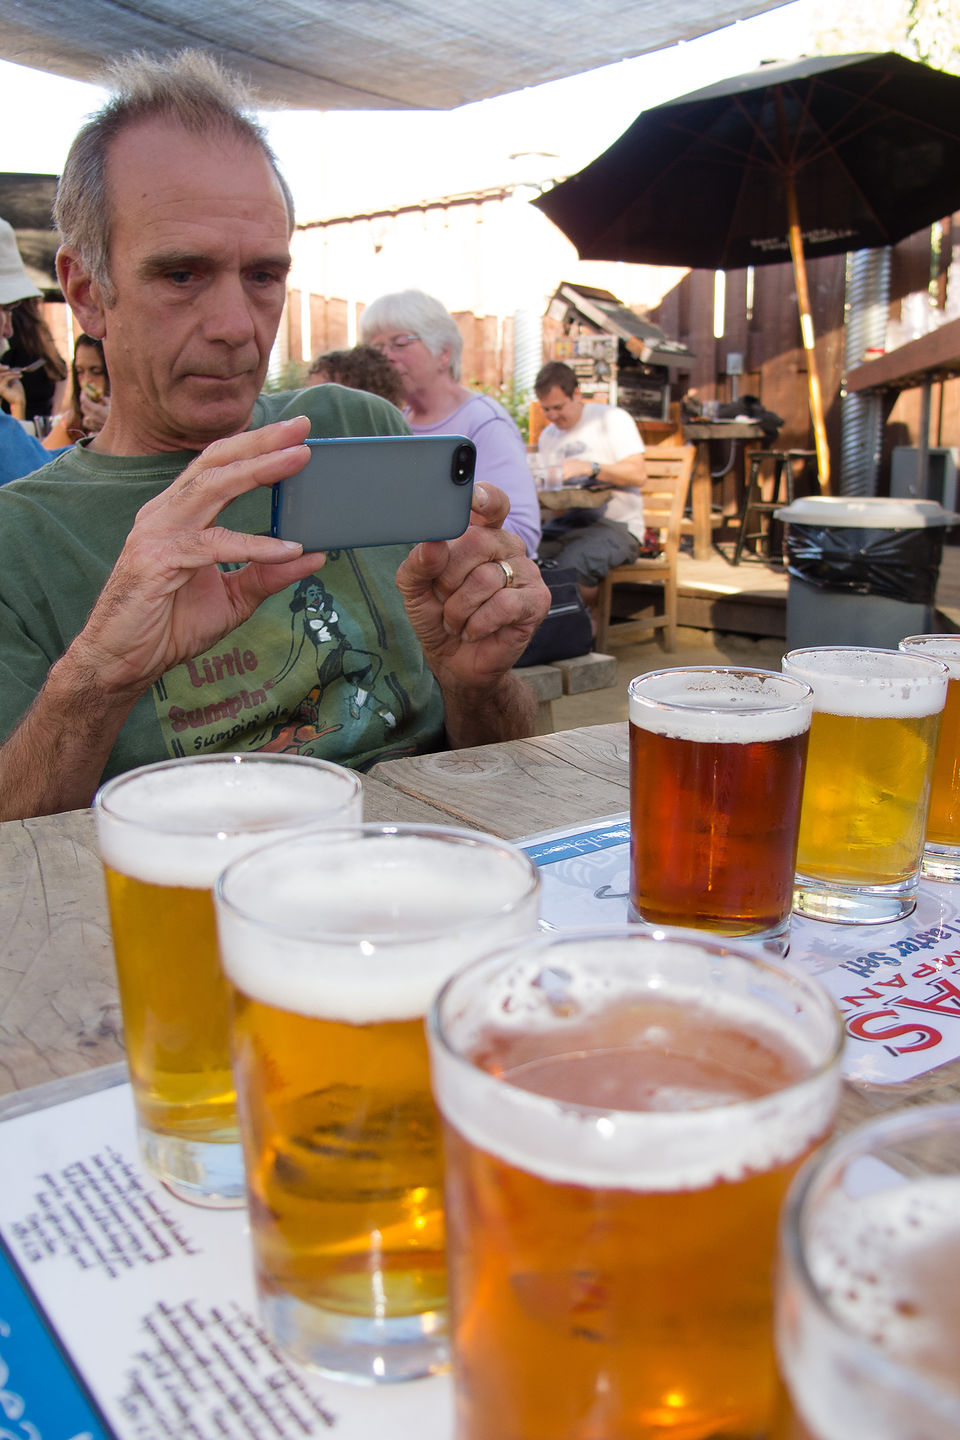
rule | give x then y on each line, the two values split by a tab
716	774
876	716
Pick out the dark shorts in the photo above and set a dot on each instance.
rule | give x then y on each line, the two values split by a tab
591	548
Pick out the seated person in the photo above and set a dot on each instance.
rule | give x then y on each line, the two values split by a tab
145	610
421	340
361	368
20	452
89	396
34	351
597	446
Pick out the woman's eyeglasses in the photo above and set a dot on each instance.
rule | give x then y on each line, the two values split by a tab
396	342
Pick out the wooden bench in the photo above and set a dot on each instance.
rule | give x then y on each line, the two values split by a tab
566	677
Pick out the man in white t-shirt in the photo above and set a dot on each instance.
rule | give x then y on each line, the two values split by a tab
597	446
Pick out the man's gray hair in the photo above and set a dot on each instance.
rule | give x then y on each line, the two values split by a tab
189	88
421	315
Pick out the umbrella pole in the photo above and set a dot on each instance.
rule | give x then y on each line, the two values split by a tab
806	332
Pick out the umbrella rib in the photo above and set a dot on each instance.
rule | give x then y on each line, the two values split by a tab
827	144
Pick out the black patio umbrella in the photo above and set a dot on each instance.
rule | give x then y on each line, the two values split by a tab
816	157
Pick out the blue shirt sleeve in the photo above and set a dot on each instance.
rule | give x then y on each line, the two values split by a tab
20	453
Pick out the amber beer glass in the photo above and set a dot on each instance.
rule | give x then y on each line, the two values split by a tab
165	832
335	947
941	852
876	715
716	775
868	1300
624	1111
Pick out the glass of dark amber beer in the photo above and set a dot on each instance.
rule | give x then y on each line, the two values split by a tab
623	1113
335	946
165	832
868	1289
716	776
941	851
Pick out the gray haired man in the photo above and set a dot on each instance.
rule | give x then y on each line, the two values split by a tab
144	609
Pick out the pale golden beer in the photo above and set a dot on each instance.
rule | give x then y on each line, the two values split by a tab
624	1112
335	947
876	715
166	831
941	855
868	1314
716	775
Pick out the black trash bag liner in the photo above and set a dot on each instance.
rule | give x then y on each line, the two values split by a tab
749	405
898	564
565	630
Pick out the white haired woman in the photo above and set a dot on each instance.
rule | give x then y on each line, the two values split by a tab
420	338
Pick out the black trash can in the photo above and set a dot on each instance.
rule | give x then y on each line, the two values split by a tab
862	571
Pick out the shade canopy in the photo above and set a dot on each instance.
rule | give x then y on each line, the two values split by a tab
870	145
364	54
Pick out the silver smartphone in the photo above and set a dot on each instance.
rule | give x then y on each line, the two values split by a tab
377	490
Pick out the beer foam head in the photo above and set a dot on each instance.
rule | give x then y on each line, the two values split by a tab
886	1266
870	684
180	823
868	1304
365	925
945	648
542	1001
719	705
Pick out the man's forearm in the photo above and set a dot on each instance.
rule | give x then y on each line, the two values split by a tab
55	757
508	712
628	473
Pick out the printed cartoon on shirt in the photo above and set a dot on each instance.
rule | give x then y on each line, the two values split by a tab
304	666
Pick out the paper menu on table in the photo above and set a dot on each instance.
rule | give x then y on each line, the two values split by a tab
897	985
151	1305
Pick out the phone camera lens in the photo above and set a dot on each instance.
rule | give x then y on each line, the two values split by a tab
464	458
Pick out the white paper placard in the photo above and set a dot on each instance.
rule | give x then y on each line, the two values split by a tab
153	1302
897	985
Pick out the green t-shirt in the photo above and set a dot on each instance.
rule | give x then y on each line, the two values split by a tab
329	667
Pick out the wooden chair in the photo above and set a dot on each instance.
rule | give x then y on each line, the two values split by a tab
669	468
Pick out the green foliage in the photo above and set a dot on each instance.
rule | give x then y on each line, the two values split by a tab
516	402
933	27
291	376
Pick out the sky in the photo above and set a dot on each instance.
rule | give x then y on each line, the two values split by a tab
345	162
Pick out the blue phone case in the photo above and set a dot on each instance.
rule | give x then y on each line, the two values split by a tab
377	490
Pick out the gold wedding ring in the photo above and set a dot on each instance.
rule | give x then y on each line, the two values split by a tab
509	578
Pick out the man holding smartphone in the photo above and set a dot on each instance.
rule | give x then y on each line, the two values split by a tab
144	609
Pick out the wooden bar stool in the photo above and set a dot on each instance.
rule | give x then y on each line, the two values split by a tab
755	507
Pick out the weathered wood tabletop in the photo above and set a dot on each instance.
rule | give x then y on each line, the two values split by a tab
59	1011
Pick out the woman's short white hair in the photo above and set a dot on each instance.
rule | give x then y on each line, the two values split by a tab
421	315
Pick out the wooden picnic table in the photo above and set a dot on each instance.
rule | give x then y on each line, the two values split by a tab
59	1010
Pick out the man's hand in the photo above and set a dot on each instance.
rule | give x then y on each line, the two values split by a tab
12	391
472	625
166	600
93	411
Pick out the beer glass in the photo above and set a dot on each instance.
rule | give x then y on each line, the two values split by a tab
165	832
941	853
716	775
623	1112
335	946
876	714
868	1300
